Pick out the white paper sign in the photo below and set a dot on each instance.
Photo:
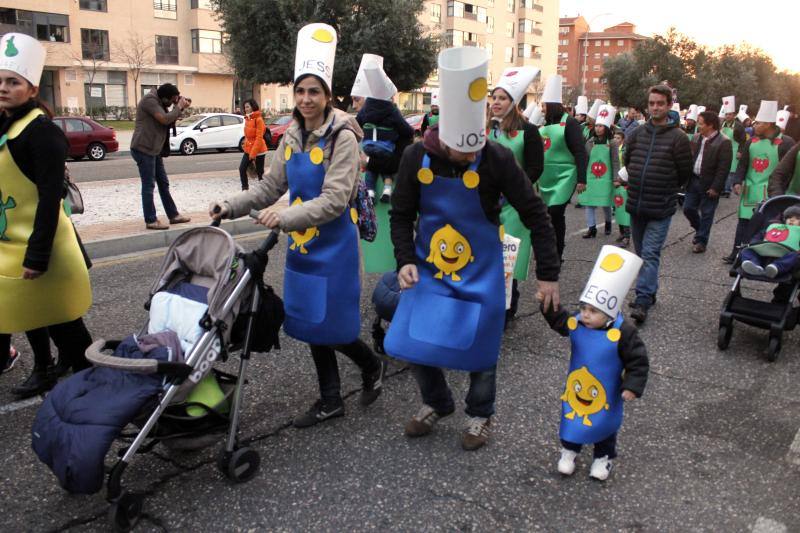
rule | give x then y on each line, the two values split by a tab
96	92
510	253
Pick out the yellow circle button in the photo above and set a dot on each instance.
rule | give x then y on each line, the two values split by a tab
478	89
287	153
471	179
316	155
572	323
425	176
614	334
354	215
502	233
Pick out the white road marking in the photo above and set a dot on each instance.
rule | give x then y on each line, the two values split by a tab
793	456
22	404
767	525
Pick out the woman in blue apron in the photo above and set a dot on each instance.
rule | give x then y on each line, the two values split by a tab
317	162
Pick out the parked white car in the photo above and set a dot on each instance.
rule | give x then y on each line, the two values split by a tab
207	130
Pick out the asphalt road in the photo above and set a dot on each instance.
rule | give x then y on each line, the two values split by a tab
121	165
712	446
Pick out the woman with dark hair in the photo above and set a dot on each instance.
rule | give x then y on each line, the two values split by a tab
564	158
255	147
44	281
317	161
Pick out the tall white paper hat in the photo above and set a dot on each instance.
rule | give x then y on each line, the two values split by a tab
582	107
592	114
721	113
767	111
676	107
380	86
23	55
614	272
552	90
742	115
534	114
316	52
360	87
783	118
462	90
435	97
515	81
692	113
700	109
606	115
728	105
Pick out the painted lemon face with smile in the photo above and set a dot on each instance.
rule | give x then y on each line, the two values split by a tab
302	237
450	251
584	394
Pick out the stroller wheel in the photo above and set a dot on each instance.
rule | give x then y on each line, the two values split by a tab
240	465
773	349
125	512
724	336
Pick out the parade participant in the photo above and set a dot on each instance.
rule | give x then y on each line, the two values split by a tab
508	127
792	123
149	145
255	147
591	118
360	90
608	364
581	109
733	129
786	178
759	157
621	215
431	118
658	159
777	246
602	170
690	121
452	305
317	162
39	251
783	119
564	159
712	155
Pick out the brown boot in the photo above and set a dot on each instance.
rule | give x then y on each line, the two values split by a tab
180	219
698	248
156	225
476	433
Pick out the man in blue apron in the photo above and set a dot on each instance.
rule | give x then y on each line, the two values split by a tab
451	308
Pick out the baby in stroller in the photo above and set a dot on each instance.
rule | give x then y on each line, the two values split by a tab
774	252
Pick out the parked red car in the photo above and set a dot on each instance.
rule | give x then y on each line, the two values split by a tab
277	127
87	138
415	121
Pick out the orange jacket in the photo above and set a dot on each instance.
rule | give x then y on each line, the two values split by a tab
254	129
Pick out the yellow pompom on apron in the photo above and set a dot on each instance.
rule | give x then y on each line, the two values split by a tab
61	294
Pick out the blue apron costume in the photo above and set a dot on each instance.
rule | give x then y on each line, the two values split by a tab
321	282
591	406
453	317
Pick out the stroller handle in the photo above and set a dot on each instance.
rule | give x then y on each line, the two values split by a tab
95	355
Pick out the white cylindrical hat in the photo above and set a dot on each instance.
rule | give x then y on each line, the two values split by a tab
592	114
316	52
380	86
783	119
676	107
534	114
435	97
728	105
23	55
606	115
614	272
462	90
582	107
721	113
767	111
552	90
692	113
360	87
515	81
742	115
700	109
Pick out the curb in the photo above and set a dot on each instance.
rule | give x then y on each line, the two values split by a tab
143	242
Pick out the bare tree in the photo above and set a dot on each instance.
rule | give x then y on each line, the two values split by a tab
91	58
138	54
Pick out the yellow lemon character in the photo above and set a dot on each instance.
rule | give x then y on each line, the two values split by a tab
612	262
301	238
322	35
450	252
584	394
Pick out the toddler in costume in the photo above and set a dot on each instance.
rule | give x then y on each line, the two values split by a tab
608	363
778	244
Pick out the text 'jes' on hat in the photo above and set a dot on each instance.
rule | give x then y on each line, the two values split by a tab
462	97
612	276
23	55
316	52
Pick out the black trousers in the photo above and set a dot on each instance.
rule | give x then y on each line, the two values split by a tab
71	339
559	222
244	163
330	386
607	446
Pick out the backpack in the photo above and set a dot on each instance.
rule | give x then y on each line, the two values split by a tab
363	204
267	136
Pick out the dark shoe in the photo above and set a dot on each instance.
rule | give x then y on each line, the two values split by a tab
180	219
729	259
373	385
624	242
60	369
40	380
156	225
591	233
608	228
699	248
578	206
476	433
422	423
319	412
639	314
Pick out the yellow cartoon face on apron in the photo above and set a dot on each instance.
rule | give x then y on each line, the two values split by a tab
63	293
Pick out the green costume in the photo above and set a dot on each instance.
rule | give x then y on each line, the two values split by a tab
599	181
794	185
728	132
560	175
763	160
779	240
433	120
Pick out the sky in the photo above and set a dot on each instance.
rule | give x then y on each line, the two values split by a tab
771	25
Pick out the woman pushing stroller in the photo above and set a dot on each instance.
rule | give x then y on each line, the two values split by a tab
317	161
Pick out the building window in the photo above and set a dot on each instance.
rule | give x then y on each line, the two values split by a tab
94	5
51	27
509	56
595	80
455	9
509	29
563	30
151	80
206	42
605	54
490	50
510	4
489	24
94	44
490	3
597	55
606	43
527	4
165	9
436	12
596	68
166	50
454	38
526	25
563	42
597	44
200	4
620	43
481	14
107	88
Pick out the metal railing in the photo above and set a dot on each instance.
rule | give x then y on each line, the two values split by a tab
165	5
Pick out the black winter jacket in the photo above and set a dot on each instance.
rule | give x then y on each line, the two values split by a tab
659	162
385	114
715	166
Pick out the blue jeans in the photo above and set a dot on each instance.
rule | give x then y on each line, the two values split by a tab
648	240
786	264
699	209
591	217
152	173
729	182
436	393
371	179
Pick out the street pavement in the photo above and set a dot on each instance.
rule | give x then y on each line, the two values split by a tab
712	446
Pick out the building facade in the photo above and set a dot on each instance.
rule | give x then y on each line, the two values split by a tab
581	54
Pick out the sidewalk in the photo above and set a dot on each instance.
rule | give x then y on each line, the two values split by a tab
113	224
124	139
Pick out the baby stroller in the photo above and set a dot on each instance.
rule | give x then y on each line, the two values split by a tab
211	294
385	298
776	316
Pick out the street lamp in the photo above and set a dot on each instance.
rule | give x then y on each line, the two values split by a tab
586	51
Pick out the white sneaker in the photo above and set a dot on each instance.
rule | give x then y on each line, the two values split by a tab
771	271
752	268
566	465
371	193
387	194
601	468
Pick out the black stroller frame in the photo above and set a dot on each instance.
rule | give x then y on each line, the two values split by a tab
775	316
238	463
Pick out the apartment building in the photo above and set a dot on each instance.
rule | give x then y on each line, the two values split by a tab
581	54
92	46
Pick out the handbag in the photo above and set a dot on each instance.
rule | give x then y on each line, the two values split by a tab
365	208
251	172
73	194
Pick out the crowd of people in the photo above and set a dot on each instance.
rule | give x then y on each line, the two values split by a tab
484	172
